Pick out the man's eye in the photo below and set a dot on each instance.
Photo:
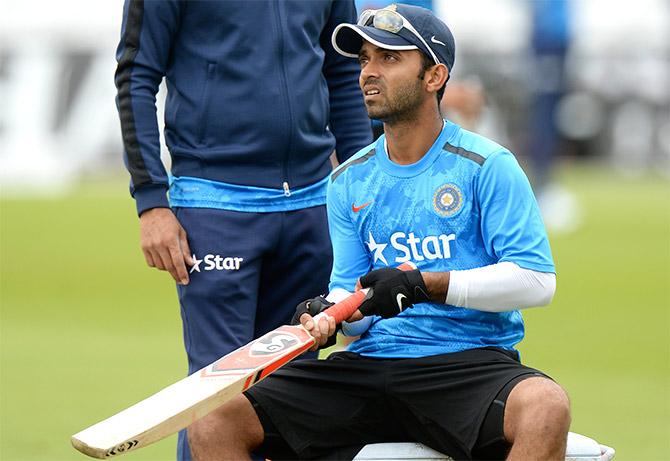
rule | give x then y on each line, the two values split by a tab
389	57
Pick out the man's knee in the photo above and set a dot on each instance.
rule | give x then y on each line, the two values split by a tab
537	405
231	429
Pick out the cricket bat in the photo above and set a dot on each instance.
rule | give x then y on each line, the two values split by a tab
184	402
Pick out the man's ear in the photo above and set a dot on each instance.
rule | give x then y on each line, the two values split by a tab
436	77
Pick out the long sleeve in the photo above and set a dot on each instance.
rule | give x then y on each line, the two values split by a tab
147	33
349	121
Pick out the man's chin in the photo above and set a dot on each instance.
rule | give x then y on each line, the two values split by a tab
376	114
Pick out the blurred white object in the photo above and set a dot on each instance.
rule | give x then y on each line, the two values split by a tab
26	150
560	209
498	26
580	116
580	448
633	137
44	147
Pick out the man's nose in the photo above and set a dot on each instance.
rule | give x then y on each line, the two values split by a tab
371	69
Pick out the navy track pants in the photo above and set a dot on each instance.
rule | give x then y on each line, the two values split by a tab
251	271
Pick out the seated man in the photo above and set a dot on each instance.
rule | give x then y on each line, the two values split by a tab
436	361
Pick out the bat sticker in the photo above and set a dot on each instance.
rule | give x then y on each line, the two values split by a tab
122	448
272	343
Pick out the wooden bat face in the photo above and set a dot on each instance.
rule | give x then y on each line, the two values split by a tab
185	401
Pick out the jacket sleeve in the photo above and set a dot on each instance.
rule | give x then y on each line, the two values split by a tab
147	33
349	121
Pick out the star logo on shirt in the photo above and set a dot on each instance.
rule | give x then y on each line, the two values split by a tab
377	249
196	265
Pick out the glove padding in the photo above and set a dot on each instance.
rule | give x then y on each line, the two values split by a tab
313	307
393	291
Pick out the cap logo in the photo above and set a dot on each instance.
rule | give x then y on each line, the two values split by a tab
434	40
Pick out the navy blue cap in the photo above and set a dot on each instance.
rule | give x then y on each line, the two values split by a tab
438	41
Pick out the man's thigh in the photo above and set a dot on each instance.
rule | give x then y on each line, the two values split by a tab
443	401
219	304
315	408
297	268
312	408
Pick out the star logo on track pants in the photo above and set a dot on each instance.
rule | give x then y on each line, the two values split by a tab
196	264
214	262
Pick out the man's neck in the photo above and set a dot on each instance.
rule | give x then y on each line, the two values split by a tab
409	140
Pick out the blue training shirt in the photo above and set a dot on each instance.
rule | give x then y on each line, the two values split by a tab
466	204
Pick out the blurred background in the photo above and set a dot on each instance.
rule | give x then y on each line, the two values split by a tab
579	90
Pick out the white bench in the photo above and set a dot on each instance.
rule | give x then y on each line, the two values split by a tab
580	448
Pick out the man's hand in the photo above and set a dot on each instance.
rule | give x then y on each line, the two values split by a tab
393	291
164	243
324	329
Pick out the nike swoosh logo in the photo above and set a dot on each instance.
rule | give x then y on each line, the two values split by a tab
356	209
434	40
398	299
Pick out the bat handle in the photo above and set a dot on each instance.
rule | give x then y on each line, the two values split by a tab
344	309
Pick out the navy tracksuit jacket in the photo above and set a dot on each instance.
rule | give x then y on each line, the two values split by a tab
257	98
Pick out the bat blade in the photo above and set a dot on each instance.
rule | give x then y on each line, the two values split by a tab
184	402
177	406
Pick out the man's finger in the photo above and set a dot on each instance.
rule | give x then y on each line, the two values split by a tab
185	248
159	261
307	322
148	258
331	324
324	327
166	261
180	270
332	327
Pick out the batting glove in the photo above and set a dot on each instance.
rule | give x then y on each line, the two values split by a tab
393	291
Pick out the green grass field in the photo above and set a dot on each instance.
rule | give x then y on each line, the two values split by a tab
86	329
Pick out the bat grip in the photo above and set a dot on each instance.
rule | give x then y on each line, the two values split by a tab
344	309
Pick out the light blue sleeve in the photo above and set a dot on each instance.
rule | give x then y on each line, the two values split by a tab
350	257
511	224
358	327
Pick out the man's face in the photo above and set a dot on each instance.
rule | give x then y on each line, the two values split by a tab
391	83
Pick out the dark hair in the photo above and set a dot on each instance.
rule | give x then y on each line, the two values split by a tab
426	63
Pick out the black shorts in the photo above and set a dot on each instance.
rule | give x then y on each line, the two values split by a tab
330	409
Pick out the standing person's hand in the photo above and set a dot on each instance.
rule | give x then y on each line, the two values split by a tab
164	243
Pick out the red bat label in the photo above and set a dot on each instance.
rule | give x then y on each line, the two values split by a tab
260	352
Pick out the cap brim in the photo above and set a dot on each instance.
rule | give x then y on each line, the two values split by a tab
348	39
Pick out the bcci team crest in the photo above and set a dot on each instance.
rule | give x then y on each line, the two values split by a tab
447	200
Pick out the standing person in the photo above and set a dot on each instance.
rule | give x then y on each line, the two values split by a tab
550	41
257	100
436	362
